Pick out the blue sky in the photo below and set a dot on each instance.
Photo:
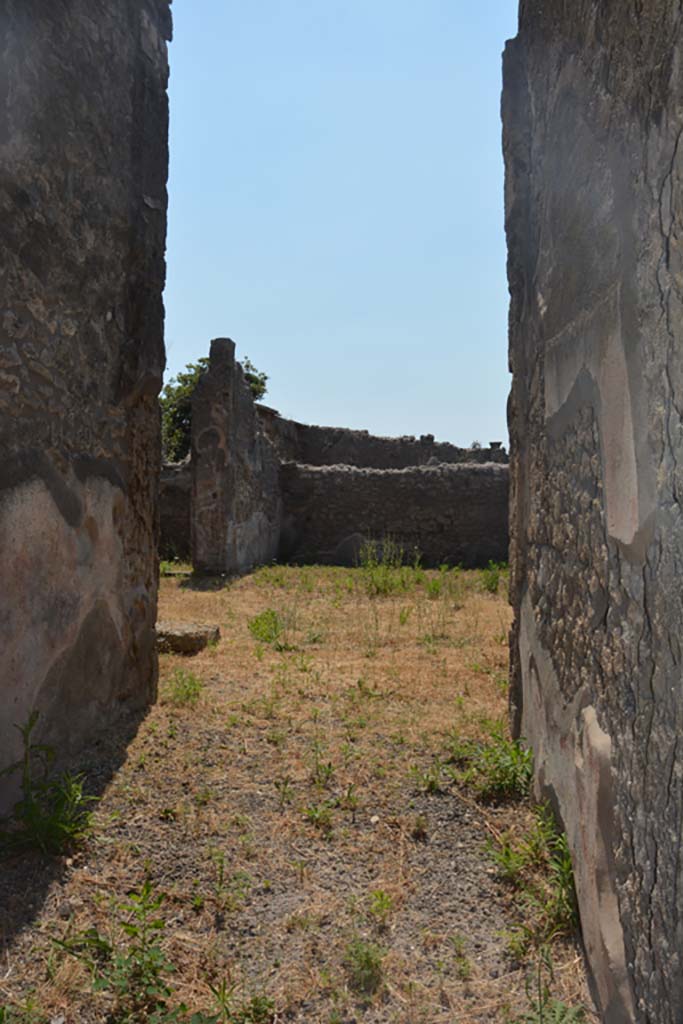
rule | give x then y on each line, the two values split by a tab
336	206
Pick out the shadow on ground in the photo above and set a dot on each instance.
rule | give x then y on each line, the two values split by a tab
26	878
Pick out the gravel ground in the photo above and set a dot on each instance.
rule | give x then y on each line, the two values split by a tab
285	814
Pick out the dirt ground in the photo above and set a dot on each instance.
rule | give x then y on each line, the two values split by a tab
293	798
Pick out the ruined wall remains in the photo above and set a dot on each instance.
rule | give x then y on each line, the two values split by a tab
235	489
245	510
83	164
450	514
593	121
333	446
175	499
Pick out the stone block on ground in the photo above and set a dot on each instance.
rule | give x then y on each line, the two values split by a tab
185	637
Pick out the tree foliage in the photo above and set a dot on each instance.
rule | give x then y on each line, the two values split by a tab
176	411
176	405
257	381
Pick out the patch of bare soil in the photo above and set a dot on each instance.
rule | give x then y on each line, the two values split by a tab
294	799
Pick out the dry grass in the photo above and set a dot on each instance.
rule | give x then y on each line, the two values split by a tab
296	812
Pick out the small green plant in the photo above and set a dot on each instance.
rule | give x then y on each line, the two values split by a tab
135	974
284	791
543	1008
419	832
256	1010
320	816
491	576
561	906
538	865
427	780
322	772
364	965
383	571
404	615
53	814
498	770
26	1014
184	688
463	967
380	907
350	801
510	860
266	627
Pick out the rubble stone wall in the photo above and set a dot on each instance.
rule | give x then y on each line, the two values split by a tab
593	123
455	515
332	446
83	167
175	499
236	508
253	499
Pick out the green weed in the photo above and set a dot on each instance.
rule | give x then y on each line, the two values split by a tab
543	1008
184	688
136	974
256	1010
320	816
350	801
491	576
284	791
463	967
538	864
383	569
266	626
498	770
380	907
53	814
363	963
418	831
427	780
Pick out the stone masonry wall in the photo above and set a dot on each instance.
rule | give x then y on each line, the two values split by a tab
175	518
83	165
451	514
593	122
244	513
331	446
235	490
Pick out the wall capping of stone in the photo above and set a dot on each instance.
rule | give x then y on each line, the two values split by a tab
313	445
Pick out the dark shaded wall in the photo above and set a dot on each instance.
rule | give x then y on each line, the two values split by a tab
451	514
332	446
235	507
175	499
83	166
593	122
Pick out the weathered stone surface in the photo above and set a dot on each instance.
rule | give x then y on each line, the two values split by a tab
451	514
235	493
185	637
332	446
175	498
83	158
593	120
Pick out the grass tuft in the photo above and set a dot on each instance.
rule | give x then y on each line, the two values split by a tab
183	688
364	964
